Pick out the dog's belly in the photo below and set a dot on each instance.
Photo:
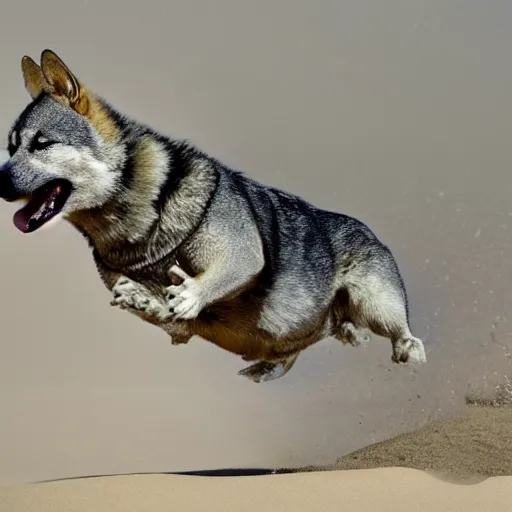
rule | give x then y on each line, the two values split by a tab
234	327
251	344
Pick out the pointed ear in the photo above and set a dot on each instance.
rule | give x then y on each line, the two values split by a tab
62	84
32	76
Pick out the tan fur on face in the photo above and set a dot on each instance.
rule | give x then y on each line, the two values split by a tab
105	225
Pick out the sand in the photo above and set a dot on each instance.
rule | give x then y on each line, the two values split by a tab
380	490
457	464
468	448
478	444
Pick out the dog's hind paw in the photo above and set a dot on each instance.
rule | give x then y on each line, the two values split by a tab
349	334
264	371
409	350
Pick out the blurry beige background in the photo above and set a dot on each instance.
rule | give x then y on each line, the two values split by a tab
397	112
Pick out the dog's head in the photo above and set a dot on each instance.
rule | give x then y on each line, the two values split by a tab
62	148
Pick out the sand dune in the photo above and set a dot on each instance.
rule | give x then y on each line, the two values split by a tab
382	490
457	455
468	448
477	444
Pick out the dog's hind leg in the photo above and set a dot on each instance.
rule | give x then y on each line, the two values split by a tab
378	304
341	327
265	371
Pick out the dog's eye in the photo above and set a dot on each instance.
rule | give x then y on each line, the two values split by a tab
14	142
39	142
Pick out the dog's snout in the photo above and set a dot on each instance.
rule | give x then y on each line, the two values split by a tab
7	189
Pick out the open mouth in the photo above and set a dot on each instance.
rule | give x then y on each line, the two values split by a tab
44	204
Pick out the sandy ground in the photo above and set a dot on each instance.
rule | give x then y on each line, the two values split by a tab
393	489
476	445
465	463
467	448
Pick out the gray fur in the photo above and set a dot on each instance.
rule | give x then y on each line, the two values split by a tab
197	248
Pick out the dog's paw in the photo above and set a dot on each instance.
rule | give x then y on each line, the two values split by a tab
351	335
124	292
130	295
184	300
264	371
409	350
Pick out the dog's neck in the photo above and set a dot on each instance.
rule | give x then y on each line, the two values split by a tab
153	214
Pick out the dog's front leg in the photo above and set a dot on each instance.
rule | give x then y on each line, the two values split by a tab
228	256
189	298
136	298
132	296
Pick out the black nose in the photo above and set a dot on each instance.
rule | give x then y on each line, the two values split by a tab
7	188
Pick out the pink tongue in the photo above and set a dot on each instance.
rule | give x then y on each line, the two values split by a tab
33	214
22	217
20	220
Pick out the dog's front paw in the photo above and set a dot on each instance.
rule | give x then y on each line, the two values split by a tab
130	295
124	292
184	300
